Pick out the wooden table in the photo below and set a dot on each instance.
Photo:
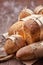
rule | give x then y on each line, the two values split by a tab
17	62
12	62
9	10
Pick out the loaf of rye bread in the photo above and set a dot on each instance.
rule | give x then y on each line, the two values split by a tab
31	51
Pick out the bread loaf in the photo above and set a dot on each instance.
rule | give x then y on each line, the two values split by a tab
31	51
39	9
24	13
13	43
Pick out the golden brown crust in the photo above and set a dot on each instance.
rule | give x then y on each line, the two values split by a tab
41	36
25	53
17	28
31	51
32	31
29	29
12	46
24	13
9	46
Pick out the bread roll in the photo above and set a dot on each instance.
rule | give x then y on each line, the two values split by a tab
32	28
17	28
32	31
24	13
13	43
31	51
39	9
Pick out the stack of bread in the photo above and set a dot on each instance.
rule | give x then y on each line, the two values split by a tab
25	37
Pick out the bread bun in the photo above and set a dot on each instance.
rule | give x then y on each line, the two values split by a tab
32	31
32	28
13	43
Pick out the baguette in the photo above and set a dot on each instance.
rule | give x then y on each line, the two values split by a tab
13	43
39	10
24	13
31	51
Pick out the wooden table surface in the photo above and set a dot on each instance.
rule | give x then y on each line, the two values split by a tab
17	62
9	10
11	62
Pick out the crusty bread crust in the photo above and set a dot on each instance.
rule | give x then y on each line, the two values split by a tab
32	31
24	13
11	46
31	51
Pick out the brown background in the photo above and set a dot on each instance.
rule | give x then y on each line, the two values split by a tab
9	10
